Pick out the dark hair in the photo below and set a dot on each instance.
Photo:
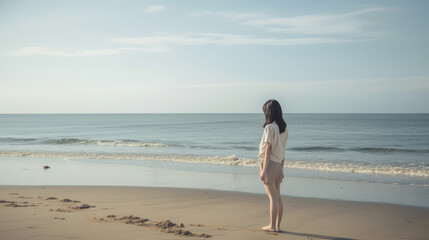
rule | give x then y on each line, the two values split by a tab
273	112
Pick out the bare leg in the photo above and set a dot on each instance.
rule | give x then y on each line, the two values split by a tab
273	195
280	208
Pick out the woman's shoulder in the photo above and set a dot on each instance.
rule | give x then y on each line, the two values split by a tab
272	125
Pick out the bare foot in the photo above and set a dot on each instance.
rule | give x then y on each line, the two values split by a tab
268	229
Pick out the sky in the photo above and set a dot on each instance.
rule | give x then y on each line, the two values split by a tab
223	56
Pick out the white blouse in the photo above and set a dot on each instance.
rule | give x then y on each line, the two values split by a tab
277	140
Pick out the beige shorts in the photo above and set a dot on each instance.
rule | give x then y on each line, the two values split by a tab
274	173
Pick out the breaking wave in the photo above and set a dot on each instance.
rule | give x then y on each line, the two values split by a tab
77	141
412	170
237	145
119	143
358	149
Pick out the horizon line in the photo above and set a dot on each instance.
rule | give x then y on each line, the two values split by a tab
70	113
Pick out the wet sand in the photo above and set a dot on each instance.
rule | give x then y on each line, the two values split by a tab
166	213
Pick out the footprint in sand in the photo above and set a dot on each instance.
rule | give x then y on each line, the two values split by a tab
25	197
70	208
163	226
82	206
67	200
209	226
17	204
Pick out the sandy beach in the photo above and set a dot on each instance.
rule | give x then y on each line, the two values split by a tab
163	213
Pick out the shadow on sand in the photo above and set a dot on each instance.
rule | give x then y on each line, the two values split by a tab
309	235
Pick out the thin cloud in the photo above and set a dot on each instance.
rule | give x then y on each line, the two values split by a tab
317	24
328	24
154	8
196	39
337	87
96	52
317	29
231	15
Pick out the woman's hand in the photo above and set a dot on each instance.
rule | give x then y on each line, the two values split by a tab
266	163
261	171
283	165
263	176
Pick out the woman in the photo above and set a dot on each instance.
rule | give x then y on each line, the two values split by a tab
272	152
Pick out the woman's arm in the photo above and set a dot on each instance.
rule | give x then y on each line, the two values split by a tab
283	165
263	172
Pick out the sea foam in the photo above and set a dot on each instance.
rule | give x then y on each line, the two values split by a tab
385	169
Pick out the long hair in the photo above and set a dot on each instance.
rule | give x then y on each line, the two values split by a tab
273	112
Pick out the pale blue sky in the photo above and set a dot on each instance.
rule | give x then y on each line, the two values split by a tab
213	56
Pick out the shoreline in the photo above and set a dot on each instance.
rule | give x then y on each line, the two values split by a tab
23	171
220	214
206	190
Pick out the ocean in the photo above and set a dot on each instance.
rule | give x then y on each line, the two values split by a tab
361	157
